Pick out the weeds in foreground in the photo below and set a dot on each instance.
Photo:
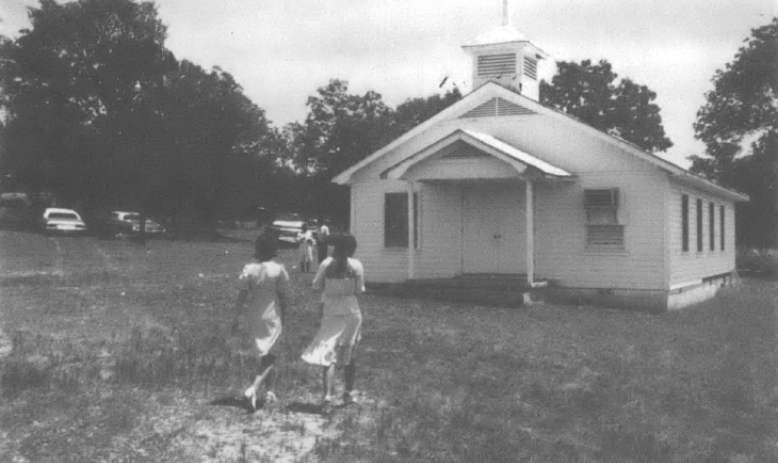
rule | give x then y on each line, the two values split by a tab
444	382
586	385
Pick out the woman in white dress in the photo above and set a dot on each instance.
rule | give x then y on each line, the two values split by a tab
264	287
305	241
342	279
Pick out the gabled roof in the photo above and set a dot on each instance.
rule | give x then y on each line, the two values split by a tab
491	145
498	35
493	89
503	35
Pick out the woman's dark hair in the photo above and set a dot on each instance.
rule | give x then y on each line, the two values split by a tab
345	245
304	228
265	248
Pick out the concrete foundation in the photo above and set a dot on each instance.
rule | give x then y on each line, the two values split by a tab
644	299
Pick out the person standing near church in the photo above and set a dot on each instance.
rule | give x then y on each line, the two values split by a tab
305	242
322	241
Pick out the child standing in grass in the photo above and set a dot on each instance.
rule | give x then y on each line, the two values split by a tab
342	279
264	288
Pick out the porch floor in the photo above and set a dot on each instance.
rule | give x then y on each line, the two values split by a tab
502	290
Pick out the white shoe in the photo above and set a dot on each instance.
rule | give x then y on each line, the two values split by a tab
326	406
251	394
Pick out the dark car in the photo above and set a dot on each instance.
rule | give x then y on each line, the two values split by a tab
105	225
16	211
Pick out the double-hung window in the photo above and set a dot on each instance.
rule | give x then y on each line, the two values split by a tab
699	225
721	225
603	230
685	223
712	226
396	220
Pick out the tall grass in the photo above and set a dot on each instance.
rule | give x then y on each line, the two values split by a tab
438	382
563	384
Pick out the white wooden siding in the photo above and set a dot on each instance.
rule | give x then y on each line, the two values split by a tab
439	220
688	267
380	265
649	209
561	253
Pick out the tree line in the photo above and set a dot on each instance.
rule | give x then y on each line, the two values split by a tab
97	110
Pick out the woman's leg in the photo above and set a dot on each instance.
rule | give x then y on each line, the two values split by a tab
349	374
266	375
328	375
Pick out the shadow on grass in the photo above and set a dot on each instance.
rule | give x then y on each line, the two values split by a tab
237	402
305	407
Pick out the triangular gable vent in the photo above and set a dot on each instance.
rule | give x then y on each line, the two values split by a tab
497	107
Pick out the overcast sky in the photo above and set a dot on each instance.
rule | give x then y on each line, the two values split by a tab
281	51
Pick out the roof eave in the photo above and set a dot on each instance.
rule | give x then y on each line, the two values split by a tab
711	187
345	177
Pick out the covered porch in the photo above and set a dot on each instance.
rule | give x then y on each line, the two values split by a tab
490	190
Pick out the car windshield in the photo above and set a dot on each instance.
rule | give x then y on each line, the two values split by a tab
63	216
133	217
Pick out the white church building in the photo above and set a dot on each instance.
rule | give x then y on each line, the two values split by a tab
498	184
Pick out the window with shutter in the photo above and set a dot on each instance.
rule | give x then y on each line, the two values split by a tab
396	220
603	230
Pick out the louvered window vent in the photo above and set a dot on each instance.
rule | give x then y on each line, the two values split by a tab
601	199
503	64
531	67
497	107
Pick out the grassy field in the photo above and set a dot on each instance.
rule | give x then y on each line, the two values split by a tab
114	352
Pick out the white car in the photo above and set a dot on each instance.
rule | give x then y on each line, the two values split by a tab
133	219
288	225
60	220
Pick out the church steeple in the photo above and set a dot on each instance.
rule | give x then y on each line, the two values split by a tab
506	56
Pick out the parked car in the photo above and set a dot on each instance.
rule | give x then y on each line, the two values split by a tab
61	220
16	211
288	225
105	225
125	220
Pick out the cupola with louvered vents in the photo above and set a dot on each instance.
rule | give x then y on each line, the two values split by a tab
506	56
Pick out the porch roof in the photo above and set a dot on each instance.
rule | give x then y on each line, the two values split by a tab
486	143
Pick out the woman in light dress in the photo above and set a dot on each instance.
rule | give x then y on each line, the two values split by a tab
305	241
264	290
322	240
342	279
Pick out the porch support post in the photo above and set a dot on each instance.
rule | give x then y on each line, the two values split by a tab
411	232
530	221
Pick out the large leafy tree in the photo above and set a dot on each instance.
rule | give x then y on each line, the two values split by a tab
209	131
739	126
414	111
340	130
70	88
590	92
99	111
